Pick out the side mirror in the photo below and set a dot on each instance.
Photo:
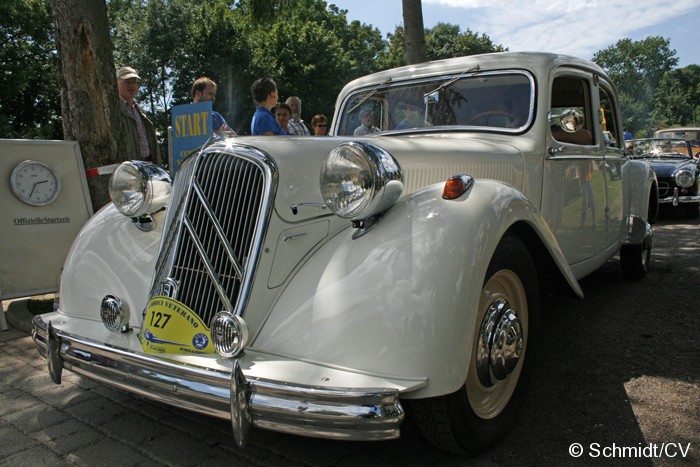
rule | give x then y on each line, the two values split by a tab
569	120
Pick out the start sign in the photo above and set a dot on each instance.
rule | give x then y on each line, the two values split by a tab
191	128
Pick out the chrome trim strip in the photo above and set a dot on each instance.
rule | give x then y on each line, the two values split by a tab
679	199
219	232
211	272
347	413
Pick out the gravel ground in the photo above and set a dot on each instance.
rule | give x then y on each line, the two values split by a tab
620	368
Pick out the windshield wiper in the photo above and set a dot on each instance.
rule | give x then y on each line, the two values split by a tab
450	81
371	93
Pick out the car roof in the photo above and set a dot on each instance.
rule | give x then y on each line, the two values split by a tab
484	62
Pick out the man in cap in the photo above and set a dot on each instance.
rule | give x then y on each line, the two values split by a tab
140	135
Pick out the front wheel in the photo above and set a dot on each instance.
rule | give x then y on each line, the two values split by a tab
483	410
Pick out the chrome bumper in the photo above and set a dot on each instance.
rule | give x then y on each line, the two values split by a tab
345	413
675	199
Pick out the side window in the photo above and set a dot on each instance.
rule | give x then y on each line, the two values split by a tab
570	93
606	119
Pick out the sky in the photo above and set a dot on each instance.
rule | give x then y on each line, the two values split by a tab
575	27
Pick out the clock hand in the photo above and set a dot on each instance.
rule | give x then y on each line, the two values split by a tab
33	188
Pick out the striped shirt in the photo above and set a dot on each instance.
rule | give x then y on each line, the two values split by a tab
297	127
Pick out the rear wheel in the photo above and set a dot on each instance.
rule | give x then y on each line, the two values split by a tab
483	410
635	259
653	211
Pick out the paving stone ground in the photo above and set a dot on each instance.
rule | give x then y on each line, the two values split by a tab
619	367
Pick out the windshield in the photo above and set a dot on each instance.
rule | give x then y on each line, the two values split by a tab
659	148
502	101
693	136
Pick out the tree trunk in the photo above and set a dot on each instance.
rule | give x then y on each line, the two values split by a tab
414	33
89	98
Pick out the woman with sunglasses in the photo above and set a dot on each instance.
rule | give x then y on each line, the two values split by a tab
319	124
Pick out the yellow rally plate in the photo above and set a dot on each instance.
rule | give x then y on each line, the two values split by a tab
171	327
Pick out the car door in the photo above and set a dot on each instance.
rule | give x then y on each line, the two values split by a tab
574	190
615	160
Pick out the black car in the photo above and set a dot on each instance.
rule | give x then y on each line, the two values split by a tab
676	169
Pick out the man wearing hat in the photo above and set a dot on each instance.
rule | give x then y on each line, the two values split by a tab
140	135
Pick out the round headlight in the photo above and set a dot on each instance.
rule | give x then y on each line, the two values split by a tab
360	180
229	334
115	314
138	188
685	178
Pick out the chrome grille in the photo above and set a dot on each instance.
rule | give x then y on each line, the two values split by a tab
216	219
664	189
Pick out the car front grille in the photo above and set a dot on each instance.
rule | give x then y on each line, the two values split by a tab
216	219
664	189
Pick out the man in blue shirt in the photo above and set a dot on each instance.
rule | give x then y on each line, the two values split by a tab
204	89
264	92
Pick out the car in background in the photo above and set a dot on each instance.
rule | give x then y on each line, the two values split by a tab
691	134
677	171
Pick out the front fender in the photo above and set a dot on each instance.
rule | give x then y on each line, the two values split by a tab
400	300
110	255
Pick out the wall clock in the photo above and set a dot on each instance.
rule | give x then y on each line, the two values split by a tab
35	183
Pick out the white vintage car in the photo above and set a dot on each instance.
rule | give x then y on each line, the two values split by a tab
322	286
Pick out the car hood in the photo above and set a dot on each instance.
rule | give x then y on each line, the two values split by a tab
665	167
299	160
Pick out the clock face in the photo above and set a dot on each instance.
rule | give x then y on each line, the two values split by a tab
35	183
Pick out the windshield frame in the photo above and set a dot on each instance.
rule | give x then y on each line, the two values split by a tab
378	93
674	143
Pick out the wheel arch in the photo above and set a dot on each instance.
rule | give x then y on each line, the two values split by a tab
550	275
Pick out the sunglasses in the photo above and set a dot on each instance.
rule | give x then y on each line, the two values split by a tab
321	124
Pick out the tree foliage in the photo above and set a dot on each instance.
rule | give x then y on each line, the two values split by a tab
307	46
172	42
636	68
677	98
444	40
30	106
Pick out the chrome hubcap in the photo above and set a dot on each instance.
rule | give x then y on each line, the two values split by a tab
500	343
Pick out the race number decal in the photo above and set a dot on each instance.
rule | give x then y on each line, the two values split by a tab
171	327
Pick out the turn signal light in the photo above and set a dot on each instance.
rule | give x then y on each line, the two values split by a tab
456	186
